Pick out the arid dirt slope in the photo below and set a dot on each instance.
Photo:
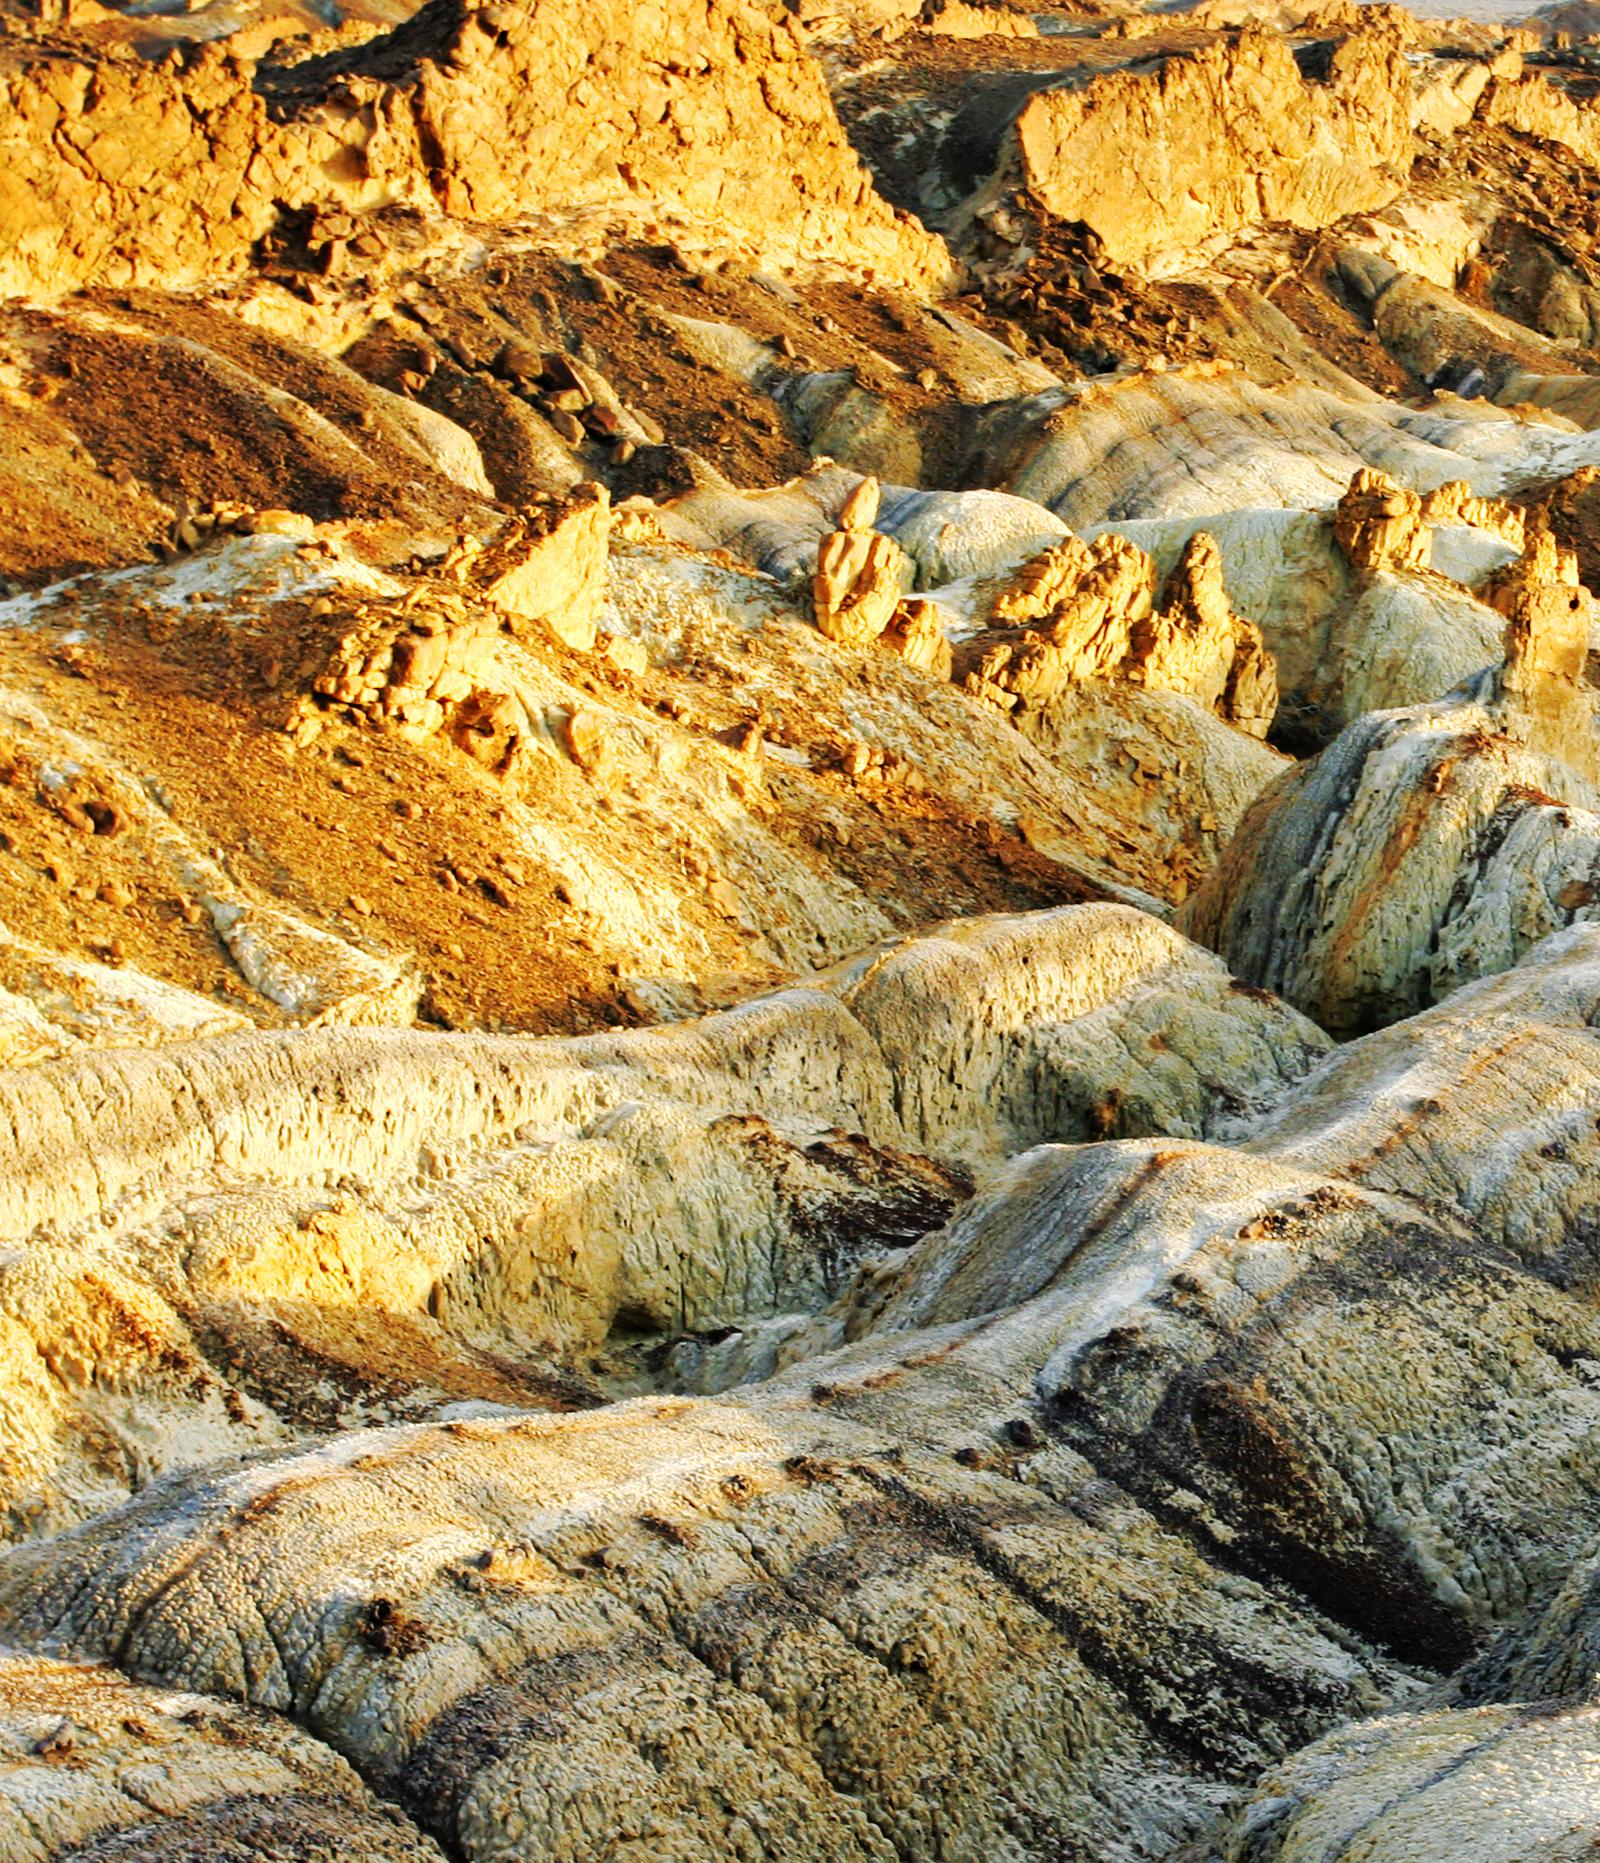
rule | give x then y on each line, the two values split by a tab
799	972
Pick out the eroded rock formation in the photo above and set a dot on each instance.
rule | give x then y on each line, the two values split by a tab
1427	845
1086	612
1379	525
126	172
800	1535
861	574
95	1765
1228	135
632	645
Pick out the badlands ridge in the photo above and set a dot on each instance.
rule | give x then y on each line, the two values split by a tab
799	933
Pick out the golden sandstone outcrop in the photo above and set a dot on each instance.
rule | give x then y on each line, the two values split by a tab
547	569
1549	625
916	633
1228	135
1379	525
1089	611
1382	527
861	574
1194	643
540	580
1075	614
1429	841
123	172
1456	503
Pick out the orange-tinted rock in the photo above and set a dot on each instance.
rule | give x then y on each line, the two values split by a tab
1226	137
860	574
916	633
1196	644
125	172
548	570
1379	525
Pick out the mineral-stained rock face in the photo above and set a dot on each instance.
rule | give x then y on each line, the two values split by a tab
1424	846
92	1765
1487	1782
525	1212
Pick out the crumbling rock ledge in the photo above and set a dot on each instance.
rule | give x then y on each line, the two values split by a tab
1227	136
120	172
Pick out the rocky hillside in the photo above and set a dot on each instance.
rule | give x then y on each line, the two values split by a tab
799	933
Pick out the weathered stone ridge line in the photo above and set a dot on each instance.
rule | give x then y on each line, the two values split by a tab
120	172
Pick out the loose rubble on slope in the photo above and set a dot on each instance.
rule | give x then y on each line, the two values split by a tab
799	932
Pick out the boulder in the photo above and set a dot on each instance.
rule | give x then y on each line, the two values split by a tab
547	570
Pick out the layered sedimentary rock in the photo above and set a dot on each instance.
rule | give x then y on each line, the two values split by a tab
1388	598
1077	613
92	1765
949	536
1182	774
1379	525
1206	440
1065	1423
626	1228
1066	617
1195	644
502	1221
1427	845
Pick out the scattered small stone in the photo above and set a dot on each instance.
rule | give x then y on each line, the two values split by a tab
59	1742
584	735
